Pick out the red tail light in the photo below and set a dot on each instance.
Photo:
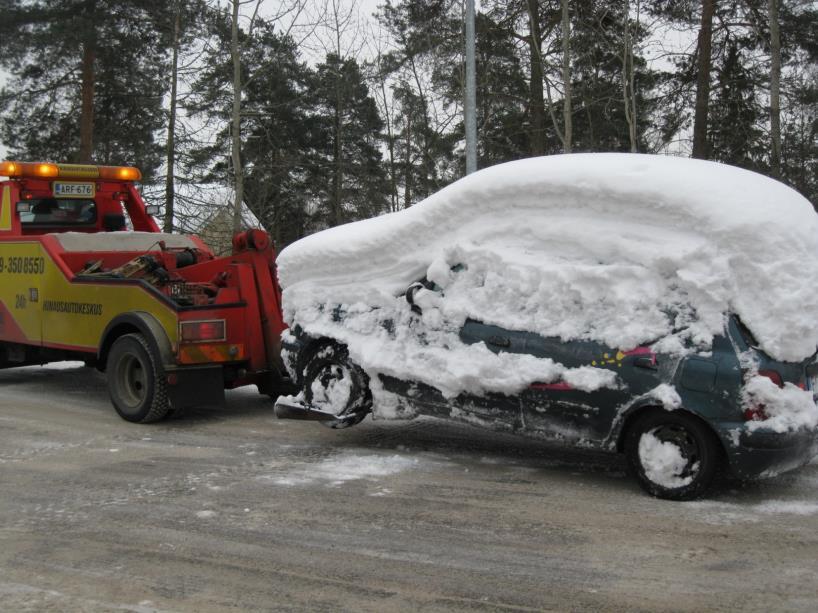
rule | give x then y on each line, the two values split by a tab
198	331
756	413
773	376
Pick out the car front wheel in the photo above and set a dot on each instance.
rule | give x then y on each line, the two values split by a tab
672	454
336	385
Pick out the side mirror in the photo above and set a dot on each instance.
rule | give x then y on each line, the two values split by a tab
153	209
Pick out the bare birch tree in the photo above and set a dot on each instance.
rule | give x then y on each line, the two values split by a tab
628	79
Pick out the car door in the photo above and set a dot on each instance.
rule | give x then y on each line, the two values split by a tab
498	411
562	411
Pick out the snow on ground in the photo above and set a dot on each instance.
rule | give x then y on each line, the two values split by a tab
339	469
61	365
724	512
623	249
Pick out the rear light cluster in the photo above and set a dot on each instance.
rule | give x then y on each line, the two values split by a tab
758	412
203	331
45	170
773	376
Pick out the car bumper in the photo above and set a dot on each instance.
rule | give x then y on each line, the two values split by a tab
765	453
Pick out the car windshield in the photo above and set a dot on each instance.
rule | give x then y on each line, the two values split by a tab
58	212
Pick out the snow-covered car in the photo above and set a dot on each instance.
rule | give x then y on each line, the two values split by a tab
655	306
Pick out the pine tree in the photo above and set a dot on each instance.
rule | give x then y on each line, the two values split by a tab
348	126
601	118
81	71
736	114
277	127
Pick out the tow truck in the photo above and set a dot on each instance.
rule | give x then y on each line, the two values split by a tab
86	274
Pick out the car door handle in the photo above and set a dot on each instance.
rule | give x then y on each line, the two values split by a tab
649	363
499	341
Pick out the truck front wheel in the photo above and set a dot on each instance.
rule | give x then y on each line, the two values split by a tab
136	380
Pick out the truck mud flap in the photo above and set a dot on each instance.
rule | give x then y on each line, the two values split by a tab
196	387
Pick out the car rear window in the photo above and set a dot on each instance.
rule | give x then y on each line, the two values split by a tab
746	335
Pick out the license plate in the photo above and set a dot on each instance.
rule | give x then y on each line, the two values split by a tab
74	190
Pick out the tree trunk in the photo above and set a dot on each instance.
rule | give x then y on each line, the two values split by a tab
390	140
775	90
407	165
170	192
537	101
236	119
337	154
700	148
566	78
89	54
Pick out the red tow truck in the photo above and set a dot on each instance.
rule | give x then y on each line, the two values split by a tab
86	274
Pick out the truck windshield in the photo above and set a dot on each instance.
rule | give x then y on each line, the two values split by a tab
58	212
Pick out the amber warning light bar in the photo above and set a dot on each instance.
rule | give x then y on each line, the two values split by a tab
47	170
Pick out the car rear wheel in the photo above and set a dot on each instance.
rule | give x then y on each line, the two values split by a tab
136	380
672	454
334	384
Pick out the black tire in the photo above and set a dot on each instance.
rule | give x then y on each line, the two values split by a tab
136	381
333	383
698	459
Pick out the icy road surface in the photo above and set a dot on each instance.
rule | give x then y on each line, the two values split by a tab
230	510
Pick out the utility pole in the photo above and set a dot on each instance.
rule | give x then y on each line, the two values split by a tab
470	104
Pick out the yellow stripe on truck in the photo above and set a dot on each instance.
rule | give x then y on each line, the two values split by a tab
50	309
5	209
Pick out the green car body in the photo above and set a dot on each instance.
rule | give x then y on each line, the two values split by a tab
709	386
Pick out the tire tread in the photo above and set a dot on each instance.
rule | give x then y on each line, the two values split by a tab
160	404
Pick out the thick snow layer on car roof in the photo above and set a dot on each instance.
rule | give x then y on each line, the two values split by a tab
620	248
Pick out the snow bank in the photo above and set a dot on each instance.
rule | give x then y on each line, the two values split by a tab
618	248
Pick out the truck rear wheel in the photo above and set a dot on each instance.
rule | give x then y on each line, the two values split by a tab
136	381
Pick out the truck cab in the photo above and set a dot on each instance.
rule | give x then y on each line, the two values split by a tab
50	198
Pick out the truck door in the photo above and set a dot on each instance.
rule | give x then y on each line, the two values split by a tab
22	266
